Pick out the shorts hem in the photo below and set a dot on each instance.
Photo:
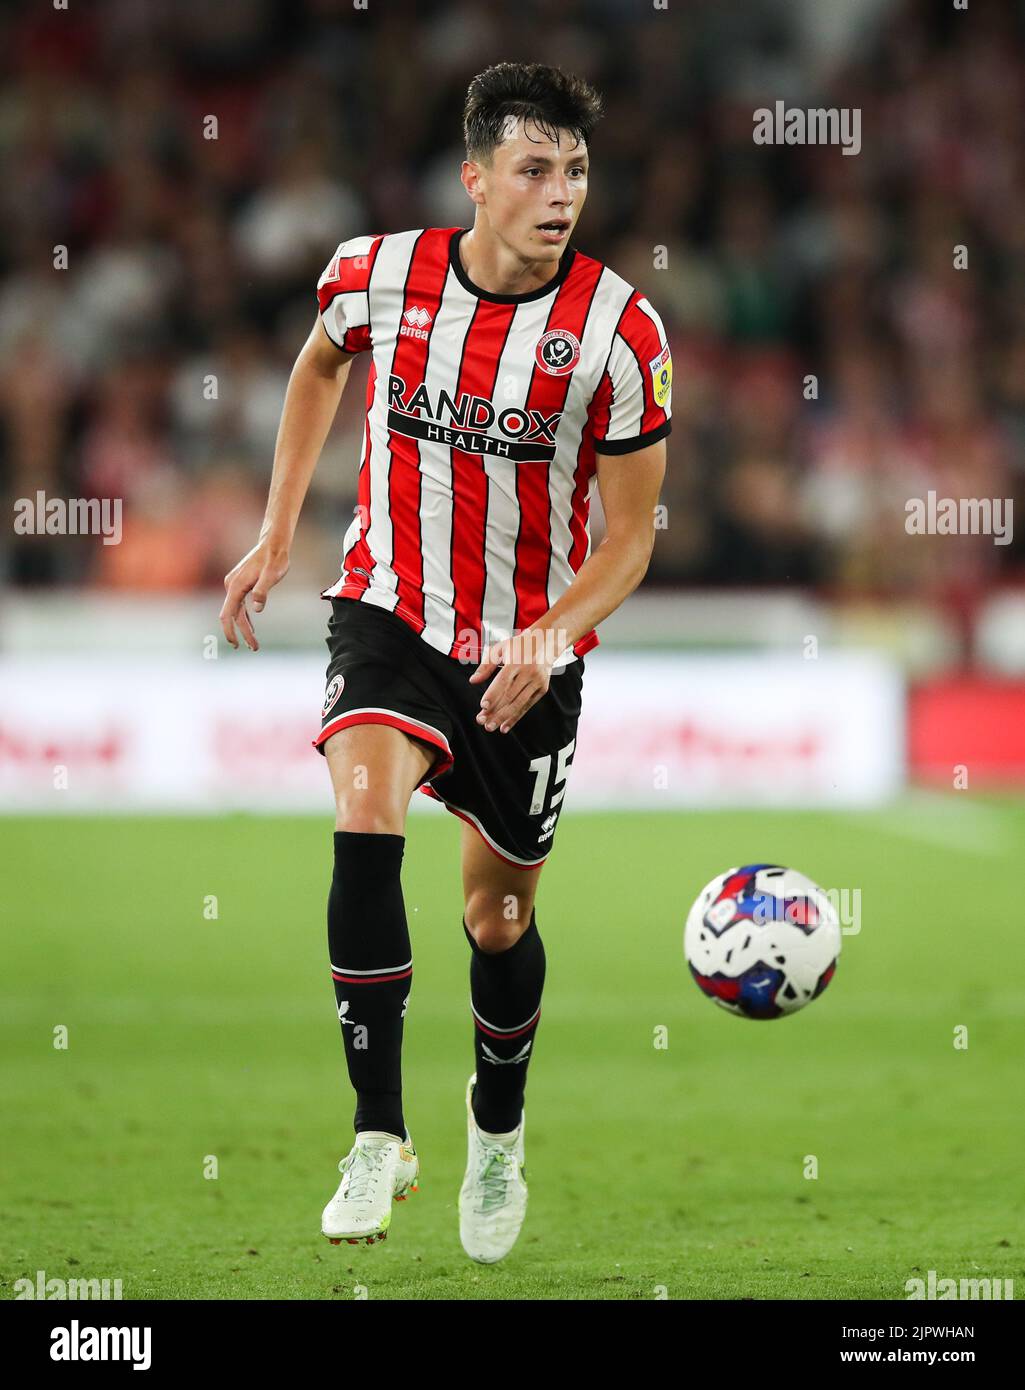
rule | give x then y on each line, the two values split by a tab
415	728
505	855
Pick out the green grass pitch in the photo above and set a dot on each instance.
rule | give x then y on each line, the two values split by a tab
654	1172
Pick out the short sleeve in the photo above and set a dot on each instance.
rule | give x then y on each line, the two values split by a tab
343	294
632	407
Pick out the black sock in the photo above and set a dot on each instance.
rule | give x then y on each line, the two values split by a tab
505	995
372	969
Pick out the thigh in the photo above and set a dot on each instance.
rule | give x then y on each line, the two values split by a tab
374	771
381	732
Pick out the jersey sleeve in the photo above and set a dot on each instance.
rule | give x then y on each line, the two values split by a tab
343	294
632	406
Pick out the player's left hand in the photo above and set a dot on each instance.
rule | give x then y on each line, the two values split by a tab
524	671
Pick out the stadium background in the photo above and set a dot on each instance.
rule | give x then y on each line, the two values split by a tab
194	1035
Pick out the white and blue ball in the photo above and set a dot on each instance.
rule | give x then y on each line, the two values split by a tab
762	940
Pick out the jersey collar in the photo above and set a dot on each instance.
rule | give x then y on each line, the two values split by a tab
553	284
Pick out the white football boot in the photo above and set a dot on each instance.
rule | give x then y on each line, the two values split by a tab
378	1169
493	1197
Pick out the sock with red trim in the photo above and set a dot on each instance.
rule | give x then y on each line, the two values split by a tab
372	970
505	996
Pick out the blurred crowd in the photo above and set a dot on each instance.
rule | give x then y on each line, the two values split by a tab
195	165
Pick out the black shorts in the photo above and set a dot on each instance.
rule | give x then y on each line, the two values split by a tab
510	787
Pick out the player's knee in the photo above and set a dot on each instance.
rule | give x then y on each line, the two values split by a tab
494	936
496	925
366	822
369	817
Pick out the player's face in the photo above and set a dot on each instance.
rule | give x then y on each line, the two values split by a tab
535	180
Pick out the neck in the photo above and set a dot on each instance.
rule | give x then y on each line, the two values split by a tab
497	268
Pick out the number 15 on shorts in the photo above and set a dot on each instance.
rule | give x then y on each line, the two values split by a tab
542	770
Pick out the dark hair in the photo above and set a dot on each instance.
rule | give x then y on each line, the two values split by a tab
552	99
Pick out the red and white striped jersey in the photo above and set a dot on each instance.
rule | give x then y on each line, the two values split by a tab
484	414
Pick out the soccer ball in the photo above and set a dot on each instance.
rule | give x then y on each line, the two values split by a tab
762	941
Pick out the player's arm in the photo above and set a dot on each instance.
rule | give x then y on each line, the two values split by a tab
629	486
311	400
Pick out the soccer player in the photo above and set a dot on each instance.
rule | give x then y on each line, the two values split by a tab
510	373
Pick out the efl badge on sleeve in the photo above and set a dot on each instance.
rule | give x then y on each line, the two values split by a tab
661	368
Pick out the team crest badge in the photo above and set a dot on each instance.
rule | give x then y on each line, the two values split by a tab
331	694
558	352
661	368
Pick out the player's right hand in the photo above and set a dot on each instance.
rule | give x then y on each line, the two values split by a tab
255	573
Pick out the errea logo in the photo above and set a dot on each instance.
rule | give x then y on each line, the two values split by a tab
548	827
414	322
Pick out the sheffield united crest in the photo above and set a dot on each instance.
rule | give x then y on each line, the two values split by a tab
558	352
